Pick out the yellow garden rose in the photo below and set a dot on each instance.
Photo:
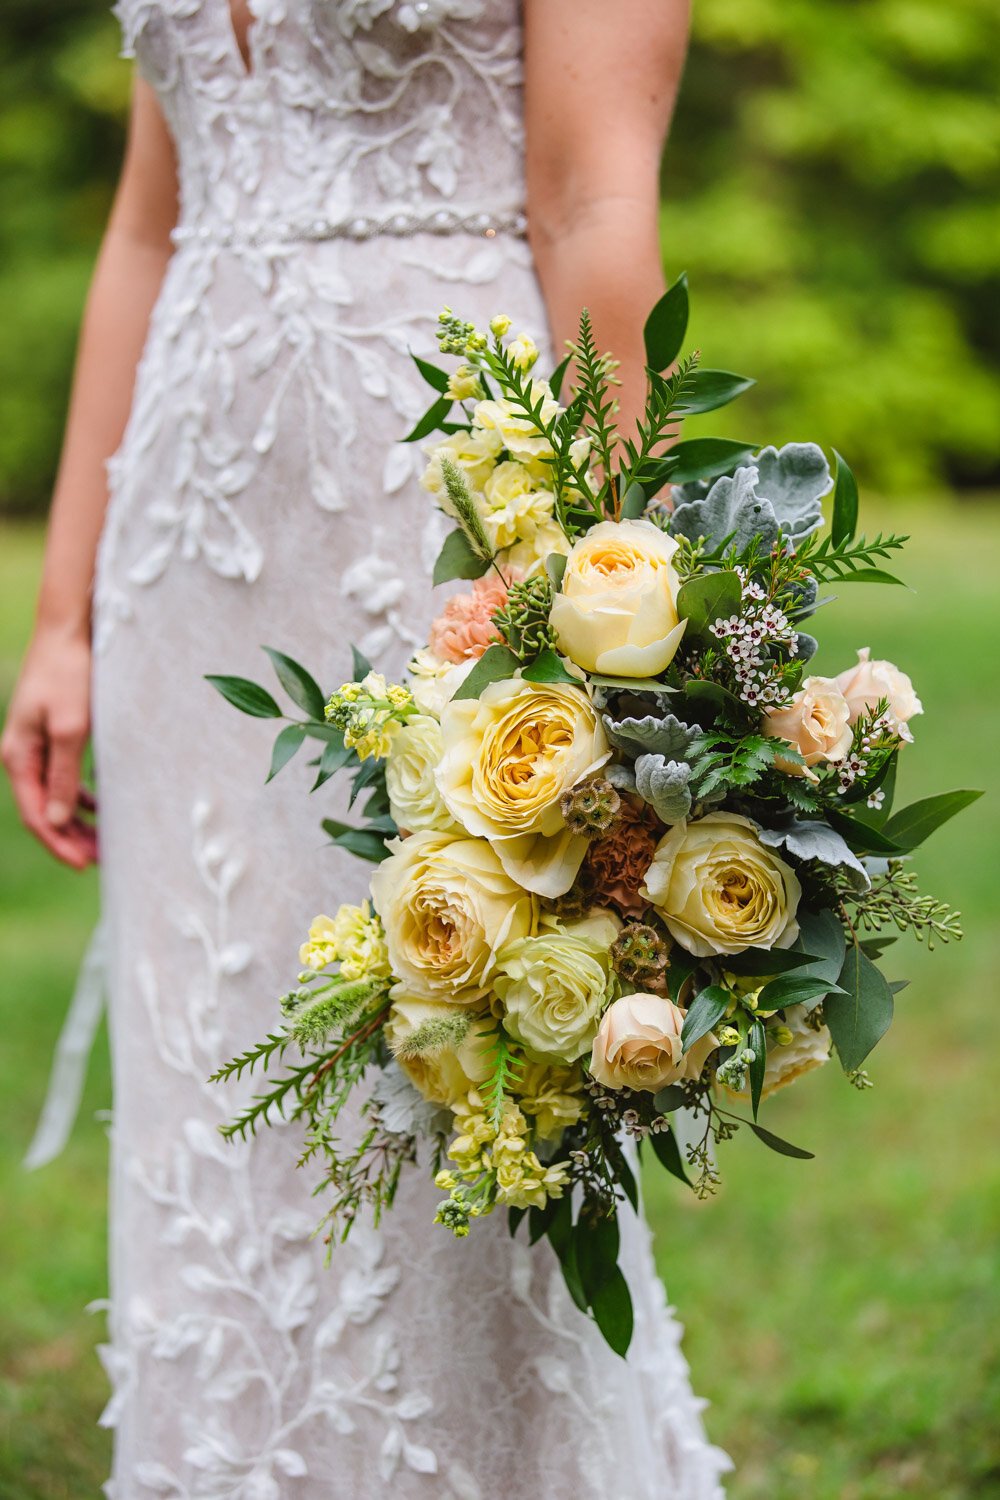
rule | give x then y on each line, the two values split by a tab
508	757
720	890
447	1073
447	907
638	1045
617	609
414	799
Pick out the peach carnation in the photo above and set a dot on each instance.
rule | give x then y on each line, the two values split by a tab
616	865
464	628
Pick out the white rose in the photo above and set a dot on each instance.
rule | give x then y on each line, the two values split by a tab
447	1073
414	799
617	610
638	1045
865	686
508	757
553	988
720	890
817	723
447	907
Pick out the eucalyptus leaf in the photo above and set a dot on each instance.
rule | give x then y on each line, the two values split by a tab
668	1099
634	502
631	684
757	1041
862	1013
612	1308
794	989
682	966
707	598
548	667
776	1143
555	567
862	838
822	937
667	1152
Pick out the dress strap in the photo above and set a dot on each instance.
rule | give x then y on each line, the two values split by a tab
72	1053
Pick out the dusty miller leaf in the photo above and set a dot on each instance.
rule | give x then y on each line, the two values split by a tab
664	785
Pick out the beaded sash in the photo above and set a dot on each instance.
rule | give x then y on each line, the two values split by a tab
357	226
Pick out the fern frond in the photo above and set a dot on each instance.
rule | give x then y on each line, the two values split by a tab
247	1061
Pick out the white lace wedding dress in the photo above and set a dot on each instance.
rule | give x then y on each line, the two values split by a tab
364	170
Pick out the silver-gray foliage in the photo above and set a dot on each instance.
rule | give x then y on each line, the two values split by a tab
811	839
780	492
664	785
655	734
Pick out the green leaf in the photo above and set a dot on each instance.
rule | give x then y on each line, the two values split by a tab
707	1008
630	684
626	1179
361	842
704	458
430	421
437	379
666	326
715	694
862	838
596	1253
756	963
634	502
668	1099
821	935
793	989
757	1040
514	1217
707	598
334	757
783	1148
539	1220
497	664
861	1013
555	567
563	1241
682	966
458	559
712	389
612	1309
361	666
911	825
247	696
548	667
558	376
297	683
871	575
667	1152
845	504
285	746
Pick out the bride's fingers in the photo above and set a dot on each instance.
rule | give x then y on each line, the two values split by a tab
25	760
62	772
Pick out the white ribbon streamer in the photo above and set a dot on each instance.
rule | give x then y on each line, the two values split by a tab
72	1053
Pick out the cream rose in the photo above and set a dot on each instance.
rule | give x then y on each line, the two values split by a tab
447	907
447	1073
553	987
529	555
414	799
865	685
617	609
817	723
638	1045
432	680
719	889
508	757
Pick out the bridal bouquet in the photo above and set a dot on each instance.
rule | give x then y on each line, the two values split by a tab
631	855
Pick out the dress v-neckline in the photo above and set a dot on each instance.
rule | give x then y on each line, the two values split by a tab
243	52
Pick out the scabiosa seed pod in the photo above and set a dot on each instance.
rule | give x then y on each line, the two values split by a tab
591	807
641	957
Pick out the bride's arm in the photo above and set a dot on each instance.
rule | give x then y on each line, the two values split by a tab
49	717
601	78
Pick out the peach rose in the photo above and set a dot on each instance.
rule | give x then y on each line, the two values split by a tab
817	723
464	628
638	1045
865	685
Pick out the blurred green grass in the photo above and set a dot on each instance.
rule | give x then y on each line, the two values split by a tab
840	1314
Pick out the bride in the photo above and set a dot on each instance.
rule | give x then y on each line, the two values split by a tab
307	183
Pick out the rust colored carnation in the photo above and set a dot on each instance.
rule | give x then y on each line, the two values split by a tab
464	628
616	864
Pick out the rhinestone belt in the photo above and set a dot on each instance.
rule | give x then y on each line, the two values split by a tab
352	227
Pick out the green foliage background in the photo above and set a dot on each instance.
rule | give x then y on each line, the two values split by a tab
832	186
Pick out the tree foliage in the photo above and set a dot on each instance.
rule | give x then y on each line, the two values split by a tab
830	186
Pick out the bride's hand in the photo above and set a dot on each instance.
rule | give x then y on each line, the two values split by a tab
46	733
